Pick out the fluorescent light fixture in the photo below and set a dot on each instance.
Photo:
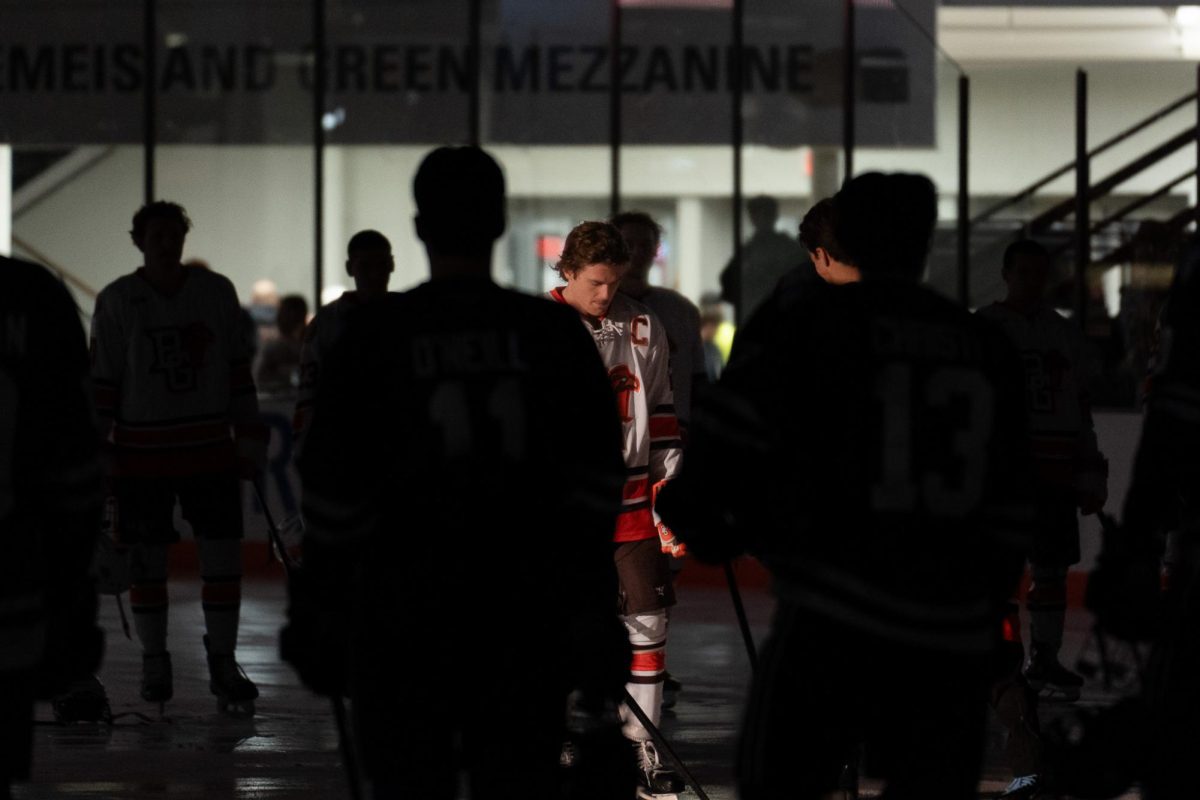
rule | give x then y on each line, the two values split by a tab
1187	16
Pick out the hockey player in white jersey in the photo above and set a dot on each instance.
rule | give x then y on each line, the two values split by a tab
634	349
370	263
1070	471
179	422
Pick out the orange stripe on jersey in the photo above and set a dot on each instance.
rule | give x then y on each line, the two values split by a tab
664	426
636	489
635	525
148	594
652	661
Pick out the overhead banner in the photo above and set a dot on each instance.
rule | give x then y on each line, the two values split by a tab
74	72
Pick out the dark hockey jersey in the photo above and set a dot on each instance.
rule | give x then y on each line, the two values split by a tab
868	443
464	442
1165	490
49	472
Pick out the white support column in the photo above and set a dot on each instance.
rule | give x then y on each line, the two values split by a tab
334	216
689	231
5	200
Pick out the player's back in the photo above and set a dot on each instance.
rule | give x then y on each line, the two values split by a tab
449	410
895	424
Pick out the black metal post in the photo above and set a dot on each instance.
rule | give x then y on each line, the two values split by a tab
1198	135
849	94
475	61
1083	250
318	123
964	192
737	77
614	106
149	96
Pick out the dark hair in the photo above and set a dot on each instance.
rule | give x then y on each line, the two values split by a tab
292	313
159	209
884	222
817	230
762	204
637	218
1022	248
460	200
592	243
368	240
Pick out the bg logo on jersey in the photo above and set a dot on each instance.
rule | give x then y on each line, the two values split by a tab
178	352
624	383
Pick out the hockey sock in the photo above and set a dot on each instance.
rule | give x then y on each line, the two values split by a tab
648	635
221	592
1047	604
148	595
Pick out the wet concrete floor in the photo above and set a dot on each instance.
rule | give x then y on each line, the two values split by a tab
290	748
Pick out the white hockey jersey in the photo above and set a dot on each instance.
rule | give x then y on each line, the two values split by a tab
172	377
1062	436
634	349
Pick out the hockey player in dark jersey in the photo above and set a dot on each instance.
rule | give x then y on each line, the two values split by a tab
866	443
1123	590
179	421
459	525
49	505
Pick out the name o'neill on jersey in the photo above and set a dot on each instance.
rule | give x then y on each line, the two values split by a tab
467	352
624	384
179	352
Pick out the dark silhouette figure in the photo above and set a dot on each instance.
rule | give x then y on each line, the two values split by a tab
369	262
766	257
866	442
50	497
277	368
458	579
1158	736
179	417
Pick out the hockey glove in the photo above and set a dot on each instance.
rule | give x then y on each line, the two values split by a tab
669	544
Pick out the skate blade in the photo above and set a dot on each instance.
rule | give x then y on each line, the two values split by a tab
646	794
1054	694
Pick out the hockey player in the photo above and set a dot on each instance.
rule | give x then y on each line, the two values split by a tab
1123	590
679	316
878	432
369	262
458	536
633	346
179	422
1069	470
49	506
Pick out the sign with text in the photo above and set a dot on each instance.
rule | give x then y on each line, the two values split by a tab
400	72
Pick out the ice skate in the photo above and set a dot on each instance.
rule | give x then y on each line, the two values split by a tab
157	678
85	701
1051	680
655	781
227	680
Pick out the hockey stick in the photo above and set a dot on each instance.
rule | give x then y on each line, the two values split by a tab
743	622
661	742
339	707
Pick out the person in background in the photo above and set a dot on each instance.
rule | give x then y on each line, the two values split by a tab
277	368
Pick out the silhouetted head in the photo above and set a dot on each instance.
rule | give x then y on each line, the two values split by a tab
460	202
291	316
369	261
642	235
159	230
1026	272
593	262
884	222
828	257
763	211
